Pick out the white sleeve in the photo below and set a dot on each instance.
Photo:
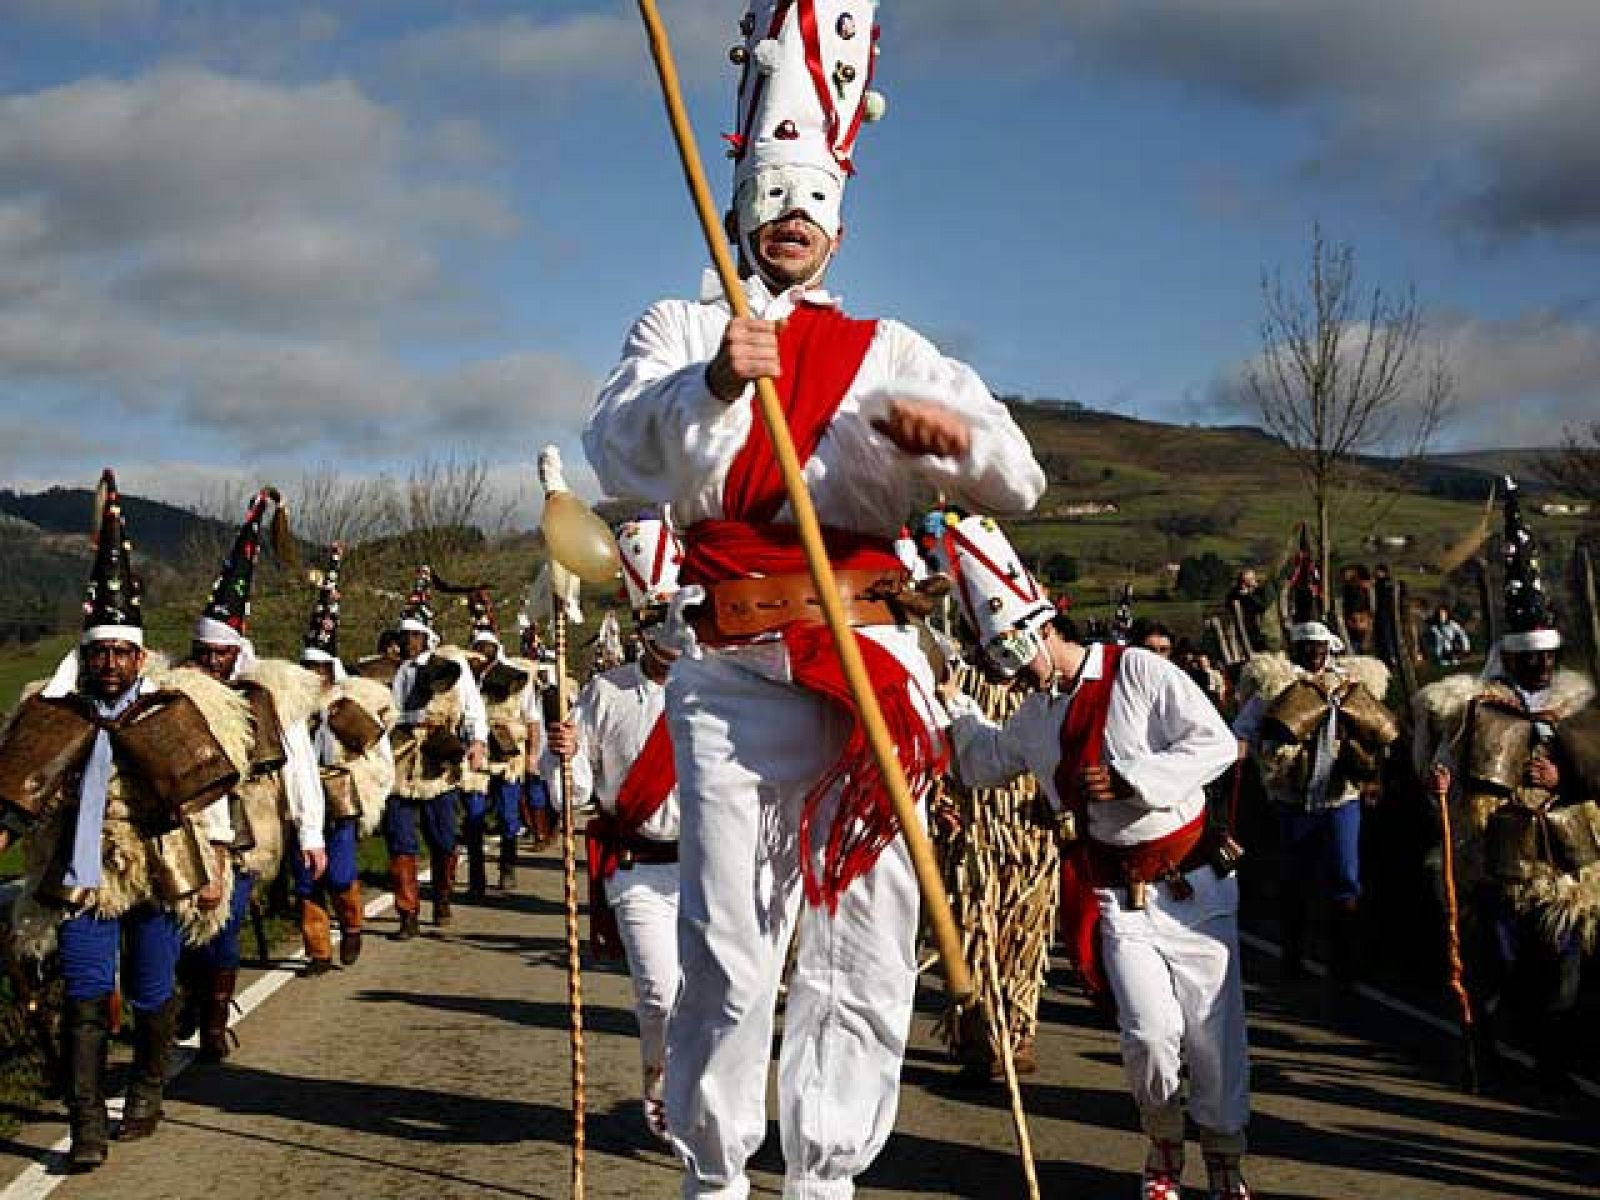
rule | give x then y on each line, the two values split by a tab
383	754
474	717
302	786
215	822
998	474
985	754
583	717
1197	746
654	405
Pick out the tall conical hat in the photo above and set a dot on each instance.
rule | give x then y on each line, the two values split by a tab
805	67
480	608
416	615
321	642
1122	618
1530	623
111	604
997	593
651	556
225	620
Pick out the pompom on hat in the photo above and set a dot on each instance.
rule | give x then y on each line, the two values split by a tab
112	603
805	74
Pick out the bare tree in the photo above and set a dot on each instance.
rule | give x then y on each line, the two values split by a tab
1576	466
1341	374
331	506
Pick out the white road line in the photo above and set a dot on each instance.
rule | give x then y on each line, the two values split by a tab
49	1170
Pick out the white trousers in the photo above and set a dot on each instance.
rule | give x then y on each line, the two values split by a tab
748	748
645	901
1173	967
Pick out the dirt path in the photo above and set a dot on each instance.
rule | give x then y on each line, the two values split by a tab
438	1068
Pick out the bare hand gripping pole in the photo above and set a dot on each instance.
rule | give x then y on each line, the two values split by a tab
935	903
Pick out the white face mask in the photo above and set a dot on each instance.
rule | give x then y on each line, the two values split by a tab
773	191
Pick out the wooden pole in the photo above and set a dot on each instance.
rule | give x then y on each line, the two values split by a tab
1452	931
569	883
1588	608
997	1008
936	904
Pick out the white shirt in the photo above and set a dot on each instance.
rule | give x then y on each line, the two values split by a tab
1162	736
614	714
658	434
302	785
474	719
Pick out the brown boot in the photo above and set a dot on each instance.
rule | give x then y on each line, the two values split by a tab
217	1008
316	930
152	1051
84	1030
407	896
347	904
444	883
543	827
508	862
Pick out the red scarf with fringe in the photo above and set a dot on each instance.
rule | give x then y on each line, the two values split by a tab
1083	744
821	351
648	784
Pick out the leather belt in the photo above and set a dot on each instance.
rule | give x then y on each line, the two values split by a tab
736	609
635	850
1165	859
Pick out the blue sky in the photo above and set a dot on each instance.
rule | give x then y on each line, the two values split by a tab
252	238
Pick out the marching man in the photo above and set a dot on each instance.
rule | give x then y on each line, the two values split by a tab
511	706
784	819
617	741
1126	742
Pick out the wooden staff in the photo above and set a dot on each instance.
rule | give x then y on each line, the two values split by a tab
1019	1116
936	904
569	884
1452	932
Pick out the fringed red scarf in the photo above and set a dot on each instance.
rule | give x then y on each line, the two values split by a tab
1083	743
648	784
821	351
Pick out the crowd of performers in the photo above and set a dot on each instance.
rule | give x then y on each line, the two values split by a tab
743	847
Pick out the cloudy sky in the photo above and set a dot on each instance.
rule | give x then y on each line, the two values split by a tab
246	236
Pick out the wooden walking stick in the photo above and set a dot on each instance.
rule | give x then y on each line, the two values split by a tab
1452	929
935	902
579	541
997	1008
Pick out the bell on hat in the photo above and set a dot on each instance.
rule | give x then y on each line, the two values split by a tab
111	605
321	642
1530	623
416	615
805	73
226	617
651	557
998	594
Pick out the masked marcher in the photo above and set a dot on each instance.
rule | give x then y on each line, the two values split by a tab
621	754
1315	723
440	733
1519	749
511	705
1124	740
350	735
784	818
128	829
281	794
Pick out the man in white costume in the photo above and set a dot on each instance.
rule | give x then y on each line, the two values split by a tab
1125	741
783	816
616	738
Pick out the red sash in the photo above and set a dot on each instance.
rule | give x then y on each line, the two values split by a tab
1083	744
649	782
821	351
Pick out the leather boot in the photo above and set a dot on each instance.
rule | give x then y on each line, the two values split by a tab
214	1031
407	896
1344	944
508	862
477	870
543	827
316	929
85	1029
152	1052
347	904
1292	912
194	979
444	883
1224	1153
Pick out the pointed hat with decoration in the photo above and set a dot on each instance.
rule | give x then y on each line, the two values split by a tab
1530	623
321	642
225	621
111	604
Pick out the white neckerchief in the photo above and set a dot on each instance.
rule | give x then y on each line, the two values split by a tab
83	871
